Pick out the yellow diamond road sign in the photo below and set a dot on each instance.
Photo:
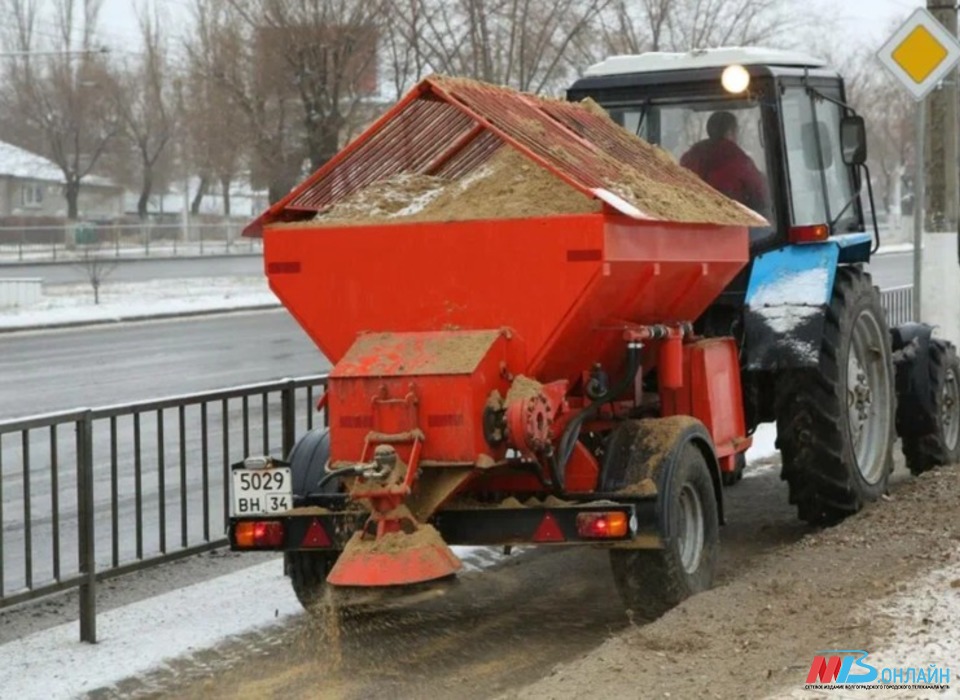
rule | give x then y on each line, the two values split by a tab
921	53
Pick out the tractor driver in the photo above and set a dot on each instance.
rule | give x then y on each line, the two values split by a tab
722	164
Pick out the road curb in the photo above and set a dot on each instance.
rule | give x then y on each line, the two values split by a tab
138	318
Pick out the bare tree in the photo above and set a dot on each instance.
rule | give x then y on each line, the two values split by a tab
215	139
61	102
298	71
533	45
96	267
889	115
146	102
683	25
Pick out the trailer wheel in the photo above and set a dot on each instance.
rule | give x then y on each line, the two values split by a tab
652	581
308	574
308	570
835	426
942	446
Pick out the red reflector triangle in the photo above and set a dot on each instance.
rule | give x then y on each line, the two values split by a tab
548	531
316	536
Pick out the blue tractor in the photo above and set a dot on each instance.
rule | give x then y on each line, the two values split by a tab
817	355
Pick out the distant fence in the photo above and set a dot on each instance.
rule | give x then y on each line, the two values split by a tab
19	291
898	304
149	480
54	242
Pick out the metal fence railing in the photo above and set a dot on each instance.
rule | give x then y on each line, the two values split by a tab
76	240
898	303
90	494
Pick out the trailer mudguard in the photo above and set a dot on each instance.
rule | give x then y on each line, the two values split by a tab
787	296
911	356
308	462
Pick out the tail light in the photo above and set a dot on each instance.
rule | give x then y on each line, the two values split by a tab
598	526
259	534
814	233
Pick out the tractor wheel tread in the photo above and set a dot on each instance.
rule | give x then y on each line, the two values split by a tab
925	452
821	472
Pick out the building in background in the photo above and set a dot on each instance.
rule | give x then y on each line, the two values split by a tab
31	187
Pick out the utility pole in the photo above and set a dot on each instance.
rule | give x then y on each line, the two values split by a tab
941	143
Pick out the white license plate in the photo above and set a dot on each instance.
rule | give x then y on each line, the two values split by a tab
260	491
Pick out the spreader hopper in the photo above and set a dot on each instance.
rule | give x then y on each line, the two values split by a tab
471	236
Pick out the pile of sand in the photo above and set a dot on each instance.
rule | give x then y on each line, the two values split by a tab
508	186
397	197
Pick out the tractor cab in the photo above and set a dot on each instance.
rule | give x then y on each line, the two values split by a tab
791	119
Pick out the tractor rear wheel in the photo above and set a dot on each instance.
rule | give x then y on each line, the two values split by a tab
942	446
652	581
835	426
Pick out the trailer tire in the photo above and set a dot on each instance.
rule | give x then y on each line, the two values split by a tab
652	581
308	575
308	570
835	425
941	447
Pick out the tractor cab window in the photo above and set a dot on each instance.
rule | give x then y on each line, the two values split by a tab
821	185
721	141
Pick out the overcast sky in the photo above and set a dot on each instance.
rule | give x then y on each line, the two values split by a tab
868	21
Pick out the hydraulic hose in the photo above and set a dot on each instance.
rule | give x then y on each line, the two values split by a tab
331	475
571	434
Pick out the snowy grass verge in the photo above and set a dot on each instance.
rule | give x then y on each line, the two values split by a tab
924	617
74	304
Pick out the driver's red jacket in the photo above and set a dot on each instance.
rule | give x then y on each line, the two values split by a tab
725	166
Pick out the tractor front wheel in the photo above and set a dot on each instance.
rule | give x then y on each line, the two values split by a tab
734	477
942	446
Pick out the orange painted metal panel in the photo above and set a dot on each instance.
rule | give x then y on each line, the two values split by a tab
561	284
371	393
711	393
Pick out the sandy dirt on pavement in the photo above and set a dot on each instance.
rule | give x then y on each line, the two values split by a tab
548	624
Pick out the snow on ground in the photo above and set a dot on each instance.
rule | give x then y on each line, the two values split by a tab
925	618
895	248
65	304
143	636
764	443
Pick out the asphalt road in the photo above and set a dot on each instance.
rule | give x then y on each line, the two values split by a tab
142	270
53	371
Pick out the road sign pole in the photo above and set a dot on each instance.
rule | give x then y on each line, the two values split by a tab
918	209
